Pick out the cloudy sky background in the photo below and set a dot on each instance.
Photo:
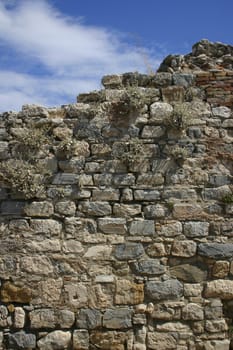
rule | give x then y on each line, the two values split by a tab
51	50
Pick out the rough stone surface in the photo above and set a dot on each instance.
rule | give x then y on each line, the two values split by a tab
55	340
216	250
170	289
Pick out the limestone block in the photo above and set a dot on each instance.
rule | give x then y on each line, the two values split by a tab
173	94
171	229
38	265
19	317
184	248
192	290
118	318
128	293
89	319
222	289
46	245
128	251
215	345
183	79
142	227
112	81
48	292
164	290
80	339
174	327
76	294
146	195
167	311
180	193
155	211
50	318
4	317
12	208
186	211
193	229
221	112
193	312
21	340
150	267
66	208
123	180
110	340
150	131
156	250
125	210
158	340
103	179
159	112
47	227
99	252
214	309
37	209
4	151
214	326
74	165
148	180
107	194
62	132
95	208
112	225
55	340
65	179
72	246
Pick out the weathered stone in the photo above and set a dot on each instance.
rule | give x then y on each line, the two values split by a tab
167	311
72	246
73	165
44	209
220	269
4	151
11	293
48	292
173	94
193	229
49	318
162	79
117	318
156	211
193	312
103	179
38	265
12	208
123	180
188	273
96	208
47	227
142	227
183	79
65	179
67	208
98	252
180	193
169	289
150	180
156	250
126	210
148	267
216	193
80	339
4	317
214	309
216	250
112	81
215	345
111	340
22	340
192	290
128	251
186	211
19	317
128	293
107	194
149	132
174	327
221	112
222	289
184	248
76	294
146	195
214	326
112	225
158	340
171	229
55	340
89	319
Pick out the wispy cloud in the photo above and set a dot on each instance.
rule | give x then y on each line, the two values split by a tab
48	58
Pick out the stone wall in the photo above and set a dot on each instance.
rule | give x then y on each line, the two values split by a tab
116	224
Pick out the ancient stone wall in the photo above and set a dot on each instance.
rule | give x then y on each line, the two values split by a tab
116	224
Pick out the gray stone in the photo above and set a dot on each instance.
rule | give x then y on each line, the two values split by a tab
188	273
73	165
142	227
216	250
66	208
55	340
65	179
49	318
169	289
156	211
47	226
96	208
193	312
126	210
12	208
4	152
118	318
163	341
103	179
112	81
216	193
219	180
21	340
128	251
112	225
149	180
123	180
107	194
221	112
89	319
148	267
183	79
161	79
159	112
146	195
193	229
180	193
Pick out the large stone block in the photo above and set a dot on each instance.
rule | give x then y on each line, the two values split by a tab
184	248
96	208
150	267
188	273
50	318
222	289
80	339
146	195
118	318
37	209
89	319
126	210
164	290
159	340
193	312
46	227
128	293
22	340
128	251
216	250
193	229
55	340
142	227
112	225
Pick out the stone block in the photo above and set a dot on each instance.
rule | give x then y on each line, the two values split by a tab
222	289
119	318
142	227
47	227
221	112
173	94
22	340
80	339
98	252
5	319
66	208
193	312
164	290
12	208
65	179
148	180
128	293
107	194
185	211
36	265
126	210
55	340
38	209
112	225
220	269
188	273
128	251
150	131
216	326
95	208
156	250
184	248
11	293
193	229
171	229
161	79
19	317
76	294
51	318
72	246
4	151
159	340
89	319
183	79
146	195
150	267
123	180
216	250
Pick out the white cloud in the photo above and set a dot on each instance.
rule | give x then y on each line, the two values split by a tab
74	55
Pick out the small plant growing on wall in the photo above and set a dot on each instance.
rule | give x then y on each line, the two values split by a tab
181	116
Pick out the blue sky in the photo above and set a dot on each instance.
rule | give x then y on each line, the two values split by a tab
51	50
